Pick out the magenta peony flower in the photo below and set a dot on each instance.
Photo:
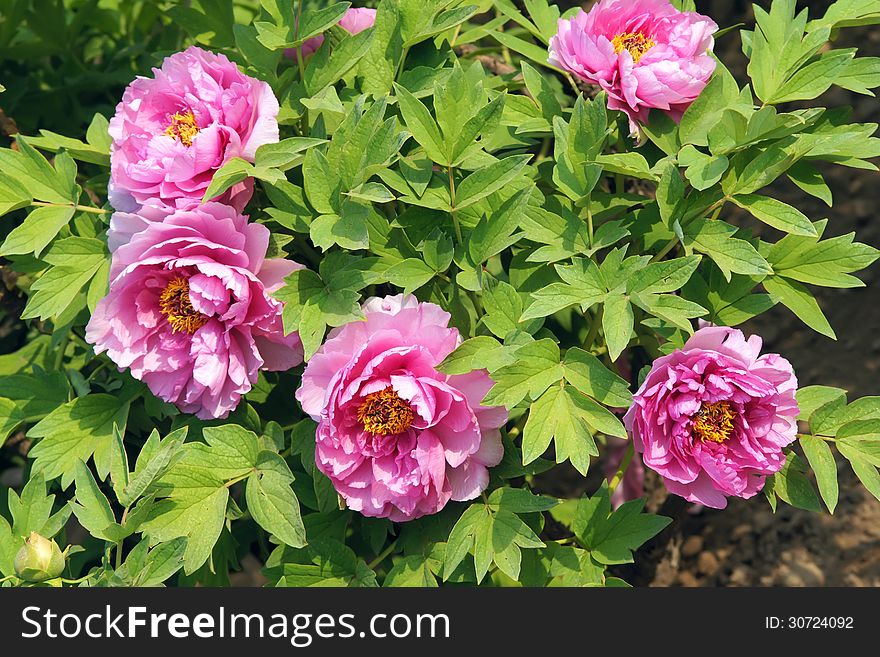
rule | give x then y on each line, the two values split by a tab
644	53
189	311
712	418
397	438
354	21
172	132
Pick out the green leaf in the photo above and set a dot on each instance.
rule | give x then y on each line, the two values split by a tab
155	459
793	487
821	262
471	355
77	431
10	417
195	508
670	194
536	369
861	75
76	260
815	79
92	508
34	173
272	502
561	412
209	22
665	276
421	124
491	536
612	536
866	472
828	419
328	66
39	228
316	21
703	171
587	373
519	500
411	571
811	398
775	213
821	459
161	563
503	308
324	562
13	195
483	182
811	181
285	153
493	232
617	323
716	239
409	274
35	394
798	299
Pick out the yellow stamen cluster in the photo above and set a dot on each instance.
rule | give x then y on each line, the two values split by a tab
175	304
384	413
183	127
714	422
636	42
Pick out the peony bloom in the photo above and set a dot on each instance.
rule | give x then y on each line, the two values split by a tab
354	21
397	438
189	310
125	225
644	53
712	418
173	131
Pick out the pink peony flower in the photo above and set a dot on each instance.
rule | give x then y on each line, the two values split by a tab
397	438
712	418
189	310
644	53
354	21
172	132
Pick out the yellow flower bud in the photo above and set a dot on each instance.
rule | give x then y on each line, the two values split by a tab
39	559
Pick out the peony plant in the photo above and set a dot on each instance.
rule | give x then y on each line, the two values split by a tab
349	291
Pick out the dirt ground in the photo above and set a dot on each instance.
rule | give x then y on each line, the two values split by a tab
746	544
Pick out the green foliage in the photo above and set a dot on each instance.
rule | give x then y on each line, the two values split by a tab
436	153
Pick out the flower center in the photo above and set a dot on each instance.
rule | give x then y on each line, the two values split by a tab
183	127
384	413
714	422
636	42
175	304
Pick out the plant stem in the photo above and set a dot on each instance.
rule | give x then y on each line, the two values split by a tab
59	356
594	329
299	60
76	581
715	209
589	212
235	480
666	249
78	208
8	579
621	471
455	223
382	555
403	54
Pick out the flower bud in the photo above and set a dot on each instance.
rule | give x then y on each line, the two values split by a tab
39	559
